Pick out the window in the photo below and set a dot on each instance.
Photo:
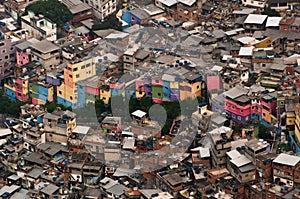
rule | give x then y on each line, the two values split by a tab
4	51
252	107
60	92
88	65
75	69
159	94
264	114
71	98
239	118
83	67
242	111
71	76
6	57
77	76
233	107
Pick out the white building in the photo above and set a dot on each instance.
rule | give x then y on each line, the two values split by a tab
102	8
39	27
254	3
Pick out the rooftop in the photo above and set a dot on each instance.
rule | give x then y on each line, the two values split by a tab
285	159
240	161
255	19
256	145
44	46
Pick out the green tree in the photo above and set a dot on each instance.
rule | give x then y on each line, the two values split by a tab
146	103
52	9
11	108
264	132
51	106
166	129
173	109
133	104
270	12
110	22
100	107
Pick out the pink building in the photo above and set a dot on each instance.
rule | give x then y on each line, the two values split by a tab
21	89
23	51
238	105
157	81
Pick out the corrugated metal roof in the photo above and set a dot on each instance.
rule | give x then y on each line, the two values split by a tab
273	21
255	19
286	159
240	161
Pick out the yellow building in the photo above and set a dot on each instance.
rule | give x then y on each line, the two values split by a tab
79	70
105	94
196	88
139	94
68	93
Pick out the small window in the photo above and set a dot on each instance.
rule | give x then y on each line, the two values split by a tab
83	67
242	111
233	107
71	98
75	69
71	76
77	76
60	92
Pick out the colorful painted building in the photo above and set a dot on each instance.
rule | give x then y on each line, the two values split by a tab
23	53
79	70
238	105
105	93
268	109
40	92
